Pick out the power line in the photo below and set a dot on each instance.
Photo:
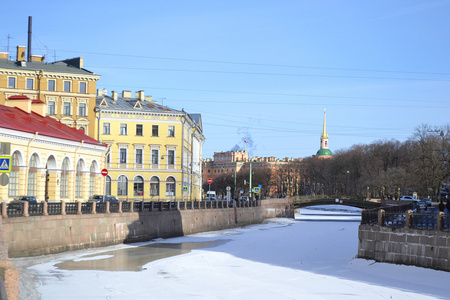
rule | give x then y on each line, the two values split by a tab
277	94
255	64
267	74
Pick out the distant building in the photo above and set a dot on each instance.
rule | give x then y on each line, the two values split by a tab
66	88
49	160
230	163
324	152
155	151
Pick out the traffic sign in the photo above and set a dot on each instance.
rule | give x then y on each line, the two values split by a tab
5	164
104	172
185	188
209	180
256	190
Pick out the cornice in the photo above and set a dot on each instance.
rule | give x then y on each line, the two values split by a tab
47	74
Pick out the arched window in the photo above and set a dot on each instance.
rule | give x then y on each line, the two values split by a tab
138	186
14	175
79	180
65	178
122	185
92	177
32	175
170	186
108	185
154	186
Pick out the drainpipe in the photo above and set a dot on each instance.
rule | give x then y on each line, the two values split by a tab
182	157
40	75
75	164
28	161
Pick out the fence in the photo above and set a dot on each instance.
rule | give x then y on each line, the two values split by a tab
405	217
25	209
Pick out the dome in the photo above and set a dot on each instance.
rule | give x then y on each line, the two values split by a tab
324	152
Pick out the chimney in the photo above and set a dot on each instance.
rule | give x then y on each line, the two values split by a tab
99	92
126	94
21	53
4	55
19	101
140	95
39	107
114	95
148	98
39	58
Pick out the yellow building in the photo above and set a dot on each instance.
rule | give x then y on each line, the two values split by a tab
45	158
155	151
66	88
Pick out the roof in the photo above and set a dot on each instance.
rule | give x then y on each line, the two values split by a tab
65	66
133	104
16	119
324	152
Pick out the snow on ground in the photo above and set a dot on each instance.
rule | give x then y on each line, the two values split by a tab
280	259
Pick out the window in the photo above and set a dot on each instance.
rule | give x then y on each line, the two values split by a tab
65	178
154	130
154	186
79	180
51	85
66	108
11	82
122	186
30	83
138	186
171	157
139	130
138	156
83	87
32	176
170	186
67	86
108	185
82	109
171	132
51	107
123	156
155	157
123	129
14	176
106	128
92	177
82	128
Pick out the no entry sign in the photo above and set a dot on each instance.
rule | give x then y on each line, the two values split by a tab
209	180
104	172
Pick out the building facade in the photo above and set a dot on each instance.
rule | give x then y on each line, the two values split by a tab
68	89
48	159
154	151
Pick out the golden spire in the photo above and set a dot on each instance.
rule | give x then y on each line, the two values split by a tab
324	134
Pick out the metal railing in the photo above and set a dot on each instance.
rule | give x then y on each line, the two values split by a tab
26	209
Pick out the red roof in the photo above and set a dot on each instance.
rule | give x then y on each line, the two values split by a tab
16	119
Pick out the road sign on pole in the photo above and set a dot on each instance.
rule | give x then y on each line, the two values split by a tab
5	164
209	180
104	172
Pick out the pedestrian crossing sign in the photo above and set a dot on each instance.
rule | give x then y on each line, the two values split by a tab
5	164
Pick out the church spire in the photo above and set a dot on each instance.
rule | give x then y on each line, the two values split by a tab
324	134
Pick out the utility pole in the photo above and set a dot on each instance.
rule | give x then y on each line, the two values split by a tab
250	183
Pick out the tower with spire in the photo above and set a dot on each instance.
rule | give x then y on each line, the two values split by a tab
324	152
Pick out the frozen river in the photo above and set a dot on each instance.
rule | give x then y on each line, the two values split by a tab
311	257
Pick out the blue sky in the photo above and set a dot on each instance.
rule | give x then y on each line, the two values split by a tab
261	71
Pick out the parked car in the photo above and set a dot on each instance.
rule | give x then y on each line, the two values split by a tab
409	198
103	198
29	199
423	205
243	198
427	201
209	198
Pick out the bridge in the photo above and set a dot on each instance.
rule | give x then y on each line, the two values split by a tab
335	201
